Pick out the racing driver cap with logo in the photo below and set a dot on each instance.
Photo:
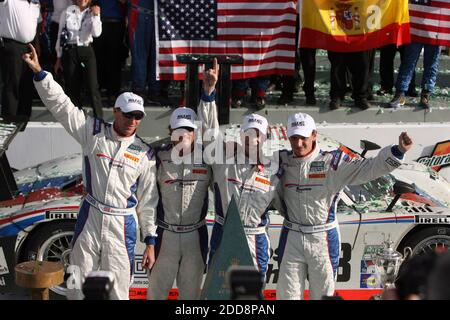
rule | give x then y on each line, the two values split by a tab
129	102
301	124
183	117
255	121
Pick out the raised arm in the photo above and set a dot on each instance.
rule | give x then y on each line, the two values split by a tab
207	109
346	171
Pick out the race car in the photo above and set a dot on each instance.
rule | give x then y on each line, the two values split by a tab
411	207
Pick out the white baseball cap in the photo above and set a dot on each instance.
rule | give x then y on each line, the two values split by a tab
183	117
129	102
255	121
301	124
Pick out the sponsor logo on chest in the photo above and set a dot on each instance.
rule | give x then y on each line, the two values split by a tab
317	170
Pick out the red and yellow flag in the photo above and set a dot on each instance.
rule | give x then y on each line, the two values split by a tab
353	25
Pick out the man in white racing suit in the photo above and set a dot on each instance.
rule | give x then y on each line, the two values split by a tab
310	186
182	242
242	174
119	175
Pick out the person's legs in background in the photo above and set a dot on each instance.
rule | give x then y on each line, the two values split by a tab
412	92
108	53
17	80
140	40
387	55
359	65
430	71
239	92
406	70
370	84
308	61
259	86
72	75
87	56
337	79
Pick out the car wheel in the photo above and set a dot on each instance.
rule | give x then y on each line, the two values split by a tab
51	243
428	240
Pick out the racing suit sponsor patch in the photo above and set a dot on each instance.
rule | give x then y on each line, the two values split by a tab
200	171
262	180
392	162
131	157
316	175
134	149
317	170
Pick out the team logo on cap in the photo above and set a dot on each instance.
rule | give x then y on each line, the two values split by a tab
132	100
251	120
298	124
184	116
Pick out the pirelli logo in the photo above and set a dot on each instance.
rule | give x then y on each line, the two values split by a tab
432	219
131	157
263	181
200	171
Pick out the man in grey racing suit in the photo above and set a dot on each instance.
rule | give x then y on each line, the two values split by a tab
242	174
310	187
119	175
182	242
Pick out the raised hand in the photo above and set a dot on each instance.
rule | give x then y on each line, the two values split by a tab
95	10
31	58
404	142
210	77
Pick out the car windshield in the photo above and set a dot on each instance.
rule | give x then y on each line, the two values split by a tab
374	190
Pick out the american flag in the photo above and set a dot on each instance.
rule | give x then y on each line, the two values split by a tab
262	31
430	21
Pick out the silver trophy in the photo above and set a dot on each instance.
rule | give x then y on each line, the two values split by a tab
388	263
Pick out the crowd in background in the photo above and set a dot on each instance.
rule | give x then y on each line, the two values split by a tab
87	50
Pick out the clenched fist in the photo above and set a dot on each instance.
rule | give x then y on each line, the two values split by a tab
404	142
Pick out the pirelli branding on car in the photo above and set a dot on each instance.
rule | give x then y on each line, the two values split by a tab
60	214
439	158
432	219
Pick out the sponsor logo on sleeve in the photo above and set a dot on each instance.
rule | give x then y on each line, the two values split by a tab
392	162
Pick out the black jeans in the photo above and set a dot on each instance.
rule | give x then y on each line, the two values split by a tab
110	52
308	60
358	64
17	78
80	66
387	56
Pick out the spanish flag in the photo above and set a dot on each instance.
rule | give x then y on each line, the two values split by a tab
353	25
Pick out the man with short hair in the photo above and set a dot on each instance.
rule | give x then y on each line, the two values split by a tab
242	174
310	186
119	175
182	242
